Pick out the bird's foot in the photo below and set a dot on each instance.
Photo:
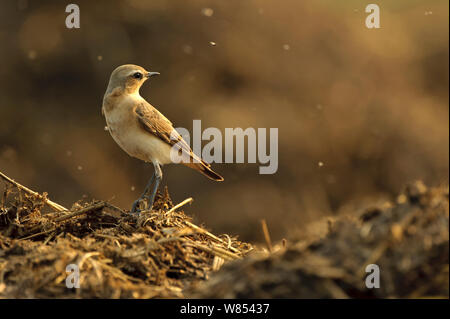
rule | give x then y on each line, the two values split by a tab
136	208
144	203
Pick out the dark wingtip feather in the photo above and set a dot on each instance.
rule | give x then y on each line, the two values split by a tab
205	170
208	172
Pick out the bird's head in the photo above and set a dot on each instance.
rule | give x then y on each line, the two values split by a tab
129	77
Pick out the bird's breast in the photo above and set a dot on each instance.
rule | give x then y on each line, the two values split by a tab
126	131
121	125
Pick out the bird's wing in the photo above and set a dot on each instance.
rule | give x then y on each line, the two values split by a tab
152	121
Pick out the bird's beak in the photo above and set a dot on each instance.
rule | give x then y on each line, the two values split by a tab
149	74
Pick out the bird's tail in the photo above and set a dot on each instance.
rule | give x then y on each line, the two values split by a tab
205	169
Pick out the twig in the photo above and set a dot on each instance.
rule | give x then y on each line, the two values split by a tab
93	207
53	205
266	235
48	239
207	233
111	206
186	201
38	234
217	263
216	251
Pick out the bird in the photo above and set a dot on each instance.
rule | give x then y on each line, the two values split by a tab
143	132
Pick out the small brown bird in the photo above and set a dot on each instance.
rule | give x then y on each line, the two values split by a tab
142	131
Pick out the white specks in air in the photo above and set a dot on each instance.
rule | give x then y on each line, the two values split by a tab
207	12
187	49
32	54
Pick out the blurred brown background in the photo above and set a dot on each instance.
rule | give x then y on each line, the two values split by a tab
370	105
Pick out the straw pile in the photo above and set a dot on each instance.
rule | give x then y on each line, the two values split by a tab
118	255
408	240
162	254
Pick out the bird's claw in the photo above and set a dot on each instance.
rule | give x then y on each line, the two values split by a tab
135	209
146	200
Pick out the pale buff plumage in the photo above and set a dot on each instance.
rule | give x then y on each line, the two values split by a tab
126	131
140	129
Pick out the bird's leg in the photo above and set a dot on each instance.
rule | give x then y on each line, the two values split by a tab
144	194
158	175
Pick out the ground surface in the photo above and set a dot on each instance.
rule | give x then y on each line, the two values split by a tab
163	254
118	255
408	240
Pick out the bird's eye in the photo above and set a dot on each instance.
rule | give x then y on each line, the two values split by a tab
137	75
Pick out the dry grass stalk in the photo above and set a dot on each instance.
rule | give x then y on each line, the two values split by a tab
50	203
266	235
